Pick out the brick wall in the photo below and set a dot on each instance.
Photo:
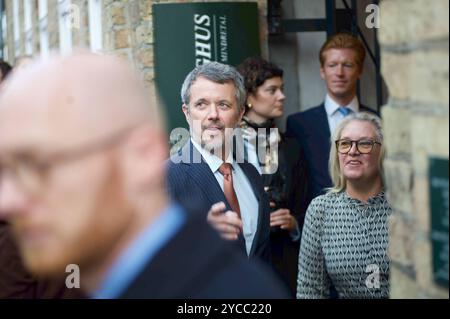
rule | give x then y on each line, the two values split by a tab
414	38
128	31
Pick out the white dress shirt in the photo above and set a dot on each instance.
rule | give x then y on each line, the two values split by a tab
248	203
334	116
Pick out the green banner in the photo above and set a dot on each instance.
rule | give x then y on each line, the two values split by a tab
190	34
438	179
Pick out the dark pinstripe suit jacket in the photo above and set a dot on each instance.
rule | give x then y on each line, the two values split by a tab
191	183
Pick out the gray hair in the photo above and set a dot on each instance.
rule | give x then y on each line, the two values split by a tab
337	177
218	73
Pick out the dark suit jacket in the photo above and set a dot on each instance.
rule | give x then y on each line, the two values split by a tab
196	263
312	132
193	185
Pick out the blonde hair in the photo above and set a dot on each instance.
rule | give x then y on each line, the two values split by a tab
338	179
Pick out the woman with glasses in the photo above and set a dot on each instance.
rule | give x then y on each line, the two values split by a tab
277	160
345	235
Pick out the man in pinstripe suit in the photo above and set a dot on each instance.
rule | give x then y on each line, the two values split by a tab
213	97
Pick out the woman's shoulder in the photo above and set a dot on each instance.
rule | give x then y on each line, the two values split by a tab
320	205
327	199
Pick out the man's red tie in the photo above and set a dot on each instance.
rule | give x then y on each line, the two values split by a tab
225	169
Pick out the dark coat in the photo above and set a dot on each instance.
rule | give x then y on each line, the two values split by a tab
197	263
286	187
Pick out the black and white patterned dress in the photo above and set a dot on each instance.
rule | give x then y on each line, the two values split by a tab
345	242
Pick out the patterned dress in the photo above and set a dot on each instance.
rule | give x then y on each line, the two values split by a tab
345	242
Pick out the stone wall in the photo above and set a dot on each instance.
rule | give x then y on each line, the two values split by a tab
128	31
414	37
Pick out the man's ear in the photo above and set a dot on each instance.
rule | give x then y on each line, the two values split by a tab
241	113
360	72
322	73
185	109
149	151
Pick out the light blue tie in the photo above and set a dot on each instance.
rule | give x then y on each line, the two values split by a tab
344	111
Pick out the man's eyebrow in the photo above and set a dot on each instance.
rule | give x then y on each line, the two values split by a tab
200	100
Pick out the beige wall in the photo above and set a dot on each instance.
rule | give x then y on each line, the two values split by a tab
414	37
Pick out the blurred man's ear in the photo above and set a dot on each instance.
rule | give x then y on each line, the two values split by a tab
148	151
360	71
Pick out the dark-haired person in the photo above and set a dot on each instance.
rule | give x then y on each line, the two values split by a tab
277	160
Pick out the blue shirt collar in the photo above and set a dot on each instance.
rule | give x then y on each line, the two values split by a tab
140	252
332	107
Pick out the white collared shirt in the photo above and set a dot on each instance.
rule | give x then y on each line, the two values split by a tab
334	116
248	202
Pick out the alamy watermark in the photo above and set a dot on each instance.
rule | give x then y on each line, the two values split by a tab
373	18
373	279
72	16
73	279
244	144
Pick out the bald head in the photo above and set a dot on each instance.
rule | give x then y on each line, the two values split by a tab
82	157
82	95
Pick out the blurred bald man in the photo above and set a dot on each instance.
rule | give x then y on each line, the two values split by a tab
82	162
15	281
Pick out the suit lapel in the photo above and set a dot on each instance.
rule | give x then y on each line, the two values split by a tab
248	172
202	175
322	123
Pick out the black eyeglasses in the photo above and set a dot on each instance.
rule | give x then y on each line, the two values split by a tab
364	146
31	172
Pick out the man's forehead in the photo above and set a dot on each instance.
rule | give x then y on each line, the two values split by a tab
205	87
340	52
74	91
31	103
202	80
27	129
